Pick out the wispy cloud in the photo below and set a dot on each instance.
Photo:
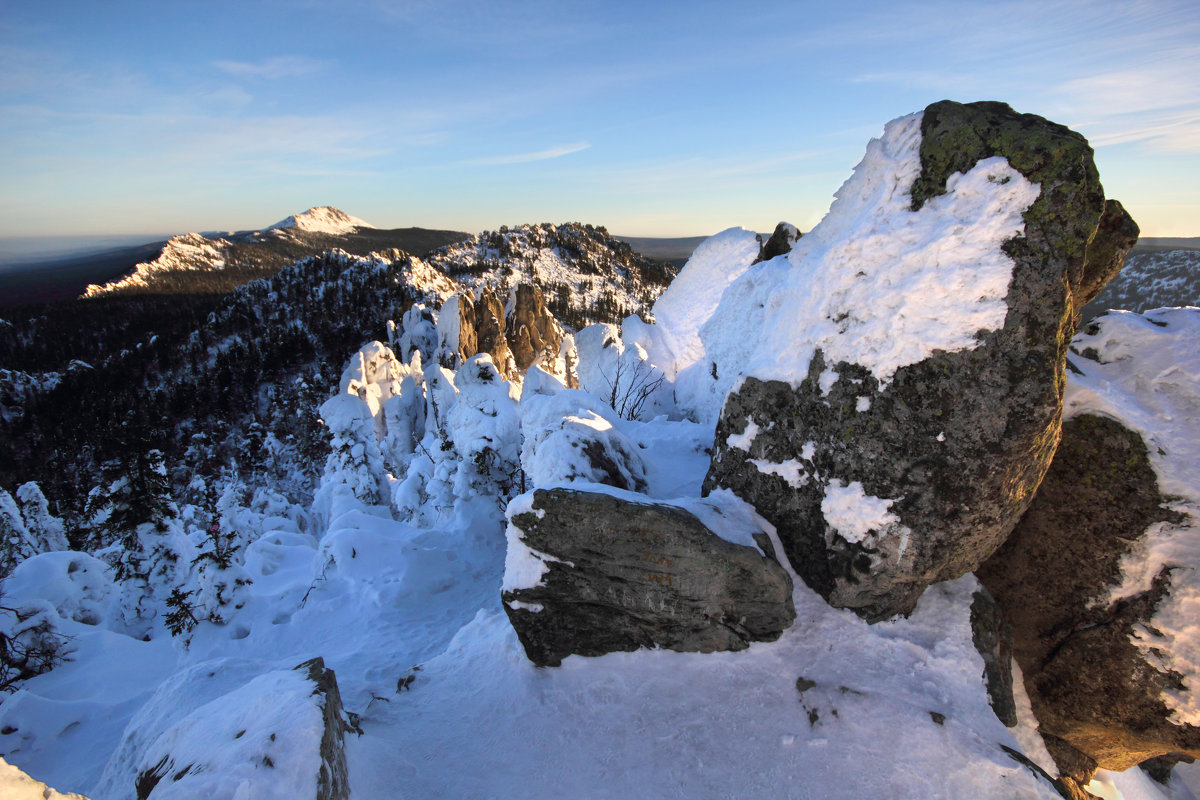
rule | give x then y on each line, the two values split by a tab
272	68
525	158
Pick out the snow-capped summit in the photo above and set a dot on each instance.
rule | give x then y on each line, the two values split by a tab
323	219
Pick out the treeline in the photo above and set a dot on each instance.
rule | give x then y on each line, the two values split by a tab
229	383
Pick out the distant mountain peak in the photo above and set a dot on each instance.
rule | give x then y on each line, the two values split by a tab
323	219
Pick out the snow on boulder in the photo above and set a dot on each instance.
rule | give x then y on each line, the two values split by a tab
79	586
694	294
590	573
1101	580
571	437
909	351
322	219
228	729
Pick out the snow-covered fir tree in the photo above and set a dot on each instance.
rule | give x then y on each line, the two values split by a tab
136	524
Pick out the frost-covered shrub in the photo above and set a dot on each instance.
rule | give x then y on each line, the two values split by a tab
418	332
622	375
46	531
15	544
30	641
485	429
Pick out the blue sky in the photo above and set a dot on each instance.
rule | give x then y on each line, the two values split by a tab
650	118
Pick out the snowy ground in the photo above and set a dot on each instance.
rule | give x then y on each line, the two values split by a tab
478	720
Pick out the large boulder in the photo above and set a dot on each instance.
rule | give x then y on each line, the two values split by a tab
902	398
1099	579
590	573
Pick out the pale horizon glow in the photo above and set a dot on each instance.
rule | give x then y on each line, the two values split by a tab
666	119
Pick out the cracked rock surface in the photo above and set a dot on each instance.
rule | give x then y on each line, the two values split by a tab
623	575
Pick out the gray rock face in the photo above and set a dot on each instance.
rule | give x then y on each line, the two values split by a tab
627	575
168	765
958	442
333	781
533	334
1090	687
992	636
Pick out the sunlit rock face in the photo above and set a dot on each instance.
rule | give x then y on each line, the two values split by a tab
903	401
534	336
1099	579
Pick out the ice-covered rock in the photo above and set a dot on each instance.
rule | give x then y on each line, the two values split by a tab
1100	577
590	573
896	380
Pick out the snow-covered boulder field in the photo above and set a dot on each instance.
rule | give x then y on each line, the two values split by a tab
1100	578
896	379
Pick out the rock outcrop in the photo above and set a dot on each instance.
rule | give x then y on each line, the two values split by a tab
533	334
780	242
590	574
333	779
1098	577
474	323
898	455
1089	685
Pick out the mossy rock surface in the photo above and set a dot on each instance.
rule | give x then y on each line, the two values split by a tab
959	442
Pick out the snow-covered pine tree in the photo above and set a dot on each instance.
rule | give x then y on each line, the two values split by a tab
47	532
216	584
136	526
15	545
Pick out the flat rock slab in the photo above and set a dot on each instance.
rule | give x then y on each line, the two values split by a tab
623	575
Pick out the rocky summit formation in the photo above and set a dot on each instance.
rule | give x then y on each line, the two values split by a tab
518	335
533	334
591	573
899	439
1098	578
470	325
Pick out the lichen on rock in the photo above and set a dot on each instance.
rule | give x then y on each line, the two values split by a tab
953	427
